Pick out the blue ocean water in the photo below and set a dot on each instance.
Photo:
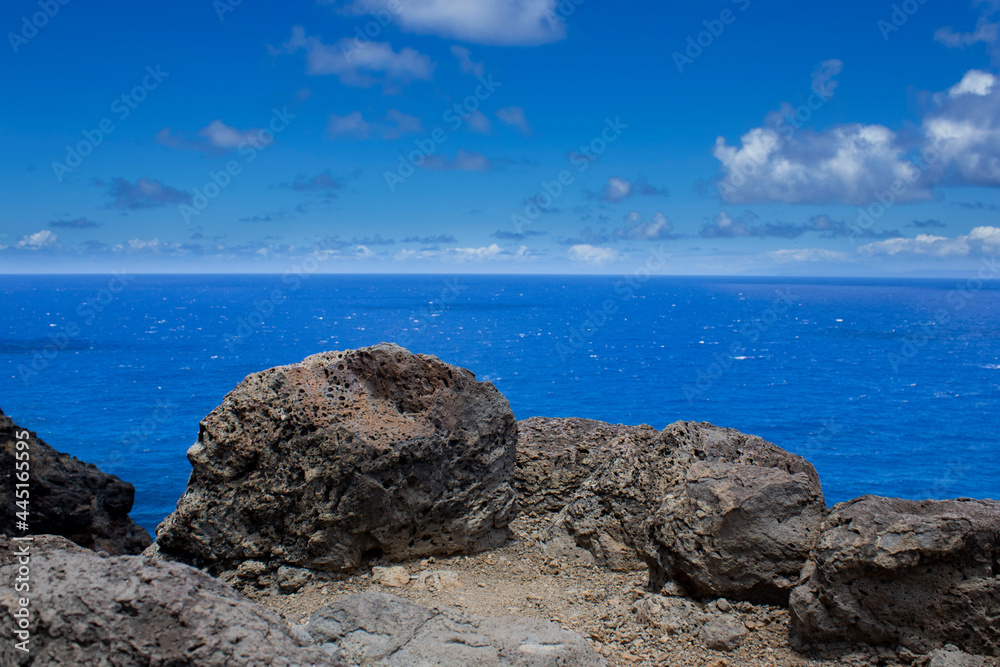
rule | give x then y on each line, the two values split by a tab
888	387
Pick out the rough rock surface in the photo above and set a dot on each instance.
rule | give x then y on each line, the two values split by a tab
918	574
556	456
39	544
68	497
723	513
370	452
129	610
381	630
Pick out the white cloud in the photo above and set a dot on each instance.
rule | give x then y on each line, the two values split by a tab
637	229
616	189
363	252
847	164
502	22
514	116
38	240
487	252
356	65
352	125
807	255
975	82
223	136
587	253
980	241
478	122
465	61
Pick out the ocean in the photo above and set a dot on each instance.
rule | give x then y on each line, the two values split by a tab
889	387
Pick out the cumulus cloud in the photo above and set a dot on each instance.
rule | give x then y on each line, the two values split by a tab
619	189
359	66
592	255
144	193
354	126
501	22
214	138
38	241
465	61
636	229
807	255
958	144
514	116
980	241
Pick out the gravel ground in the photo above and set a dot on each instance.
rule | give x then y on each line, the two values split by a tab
628	624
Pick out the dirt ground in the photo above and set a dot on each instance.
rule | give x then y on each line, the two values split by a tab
521	579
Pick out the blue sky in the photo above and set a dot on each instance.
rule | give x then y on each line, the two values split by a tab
527	136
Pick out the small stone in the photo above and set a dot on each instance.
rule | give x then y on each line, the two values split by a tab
723	633
723	605
396	576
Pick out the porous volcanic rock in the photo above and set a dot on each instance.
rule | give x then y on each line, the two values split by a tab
918	574
722	513
130	610
369	452
382	630
556	456
66	496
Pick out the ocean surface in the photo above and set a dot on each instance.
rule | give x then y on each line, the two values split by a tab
889	387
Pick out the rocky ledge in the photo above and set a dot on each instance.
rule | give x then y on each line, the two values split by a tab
390	508
67	496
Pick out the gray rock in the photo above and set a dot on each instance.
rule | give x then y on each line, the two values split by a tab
917	574
669	614
347	455
292	579
37	545
556	456
722	513
128	610
67	496
723	633
952	657
381	630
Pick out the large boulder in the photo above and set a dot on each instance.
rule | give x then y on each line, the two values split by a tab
386	631
722	513
66	496
918	574
129	610
556	456
370	452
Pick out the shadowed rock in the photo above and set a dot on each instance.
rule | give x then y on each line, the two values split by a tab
374	451
67	496
891	571
129	610
723	513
